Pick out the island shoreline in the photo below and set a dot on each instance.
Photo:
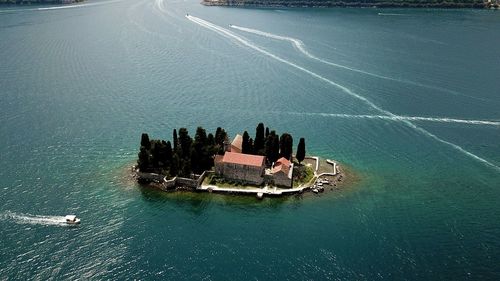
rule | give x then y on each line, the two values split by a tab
161	183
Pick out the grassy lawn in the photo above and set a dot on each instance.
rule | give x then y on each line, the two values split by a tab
302	175
223	183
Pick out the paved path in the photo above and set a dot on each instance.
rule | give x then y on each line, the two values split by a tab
264	190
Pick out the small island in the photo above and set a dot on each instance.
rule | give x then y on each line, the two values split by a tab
477	4
263	165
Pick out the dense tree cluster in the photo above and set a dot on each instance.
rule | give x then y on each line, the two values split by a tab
185	155
268	143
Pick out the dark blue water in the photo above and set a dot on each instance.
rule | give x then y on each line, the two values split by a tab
408	102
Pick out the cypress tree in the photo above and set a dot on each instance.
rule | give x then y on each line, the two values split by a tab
145	141
245	145
143	161
175	140
251	146
220	137
201	157
185	142
155	151
260	139
268	146
276	147
168	152
186	167
174	166
286	145
301	150
210	139
272	147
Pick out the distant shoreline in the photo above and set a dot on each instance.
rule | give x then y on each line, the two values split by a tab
341	4
38	2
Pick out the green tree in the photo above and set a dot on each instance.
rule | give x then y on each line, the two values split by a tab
272	147
143	161
174	165
220	138
168	152
245	144
212	147
145	141
185	142
286	145
210	139
175	140
155	151
301	150
276	148
201	158
185	167
260	139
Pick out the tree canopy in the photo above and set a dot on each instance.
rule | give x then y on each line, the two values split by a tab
185	155
301	150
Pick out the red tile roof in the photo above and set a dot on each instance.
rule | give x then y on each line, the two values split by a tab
284	161
237	142
244	159
281	164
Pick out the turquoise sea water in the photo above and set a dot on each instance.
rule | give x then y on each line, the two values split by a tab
79	85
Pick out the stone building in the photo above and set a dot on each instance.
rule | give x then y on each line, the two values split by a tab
240	167
251	169
282	172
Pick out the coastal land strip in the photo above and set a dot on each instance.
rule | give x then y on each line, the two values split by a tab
442	4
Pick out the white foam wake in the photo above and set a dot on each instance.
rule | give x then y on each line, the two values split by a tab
300	46
160	5
391	14
226	33
35	219
409	118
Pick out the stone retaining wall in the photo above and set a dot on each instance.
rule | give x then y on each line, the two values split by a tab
170	184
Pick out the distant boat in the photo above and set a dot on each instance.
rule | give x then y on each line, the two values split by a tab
72	219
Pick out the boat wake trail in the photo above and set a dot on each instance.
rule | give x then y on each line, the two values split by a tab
300	46
34	219
62	7
160	5
402	117
238	39
392	14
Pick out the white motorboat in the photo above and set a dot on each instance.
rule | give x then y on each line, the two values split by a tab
72	219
